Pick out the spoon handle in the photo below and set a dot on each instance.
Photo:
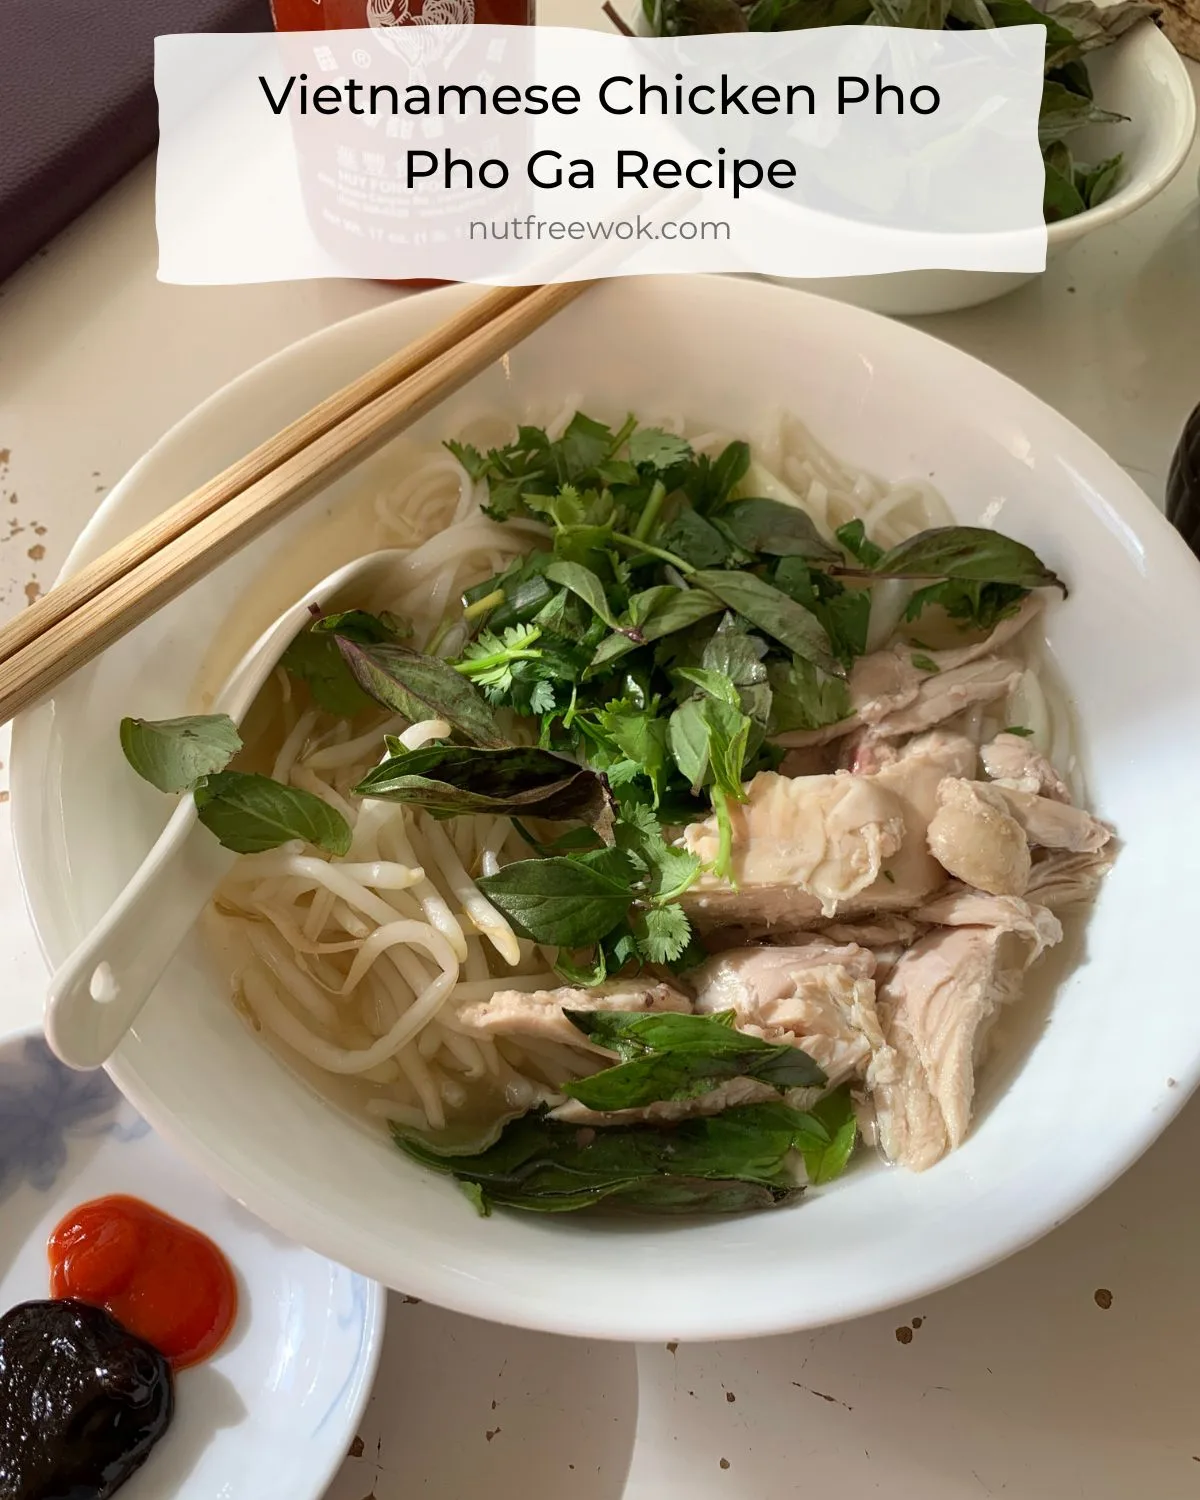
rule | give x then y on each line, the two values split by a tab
97	995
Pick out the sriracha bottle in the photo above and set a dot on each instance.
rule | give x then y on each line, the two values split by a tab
341	15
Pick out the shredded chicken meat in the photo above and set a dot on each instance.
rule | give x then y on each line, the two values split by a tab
1011	761
820	996
936	1008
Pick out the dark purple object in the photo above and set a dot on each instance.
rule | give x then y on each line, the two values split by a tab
82	1402
77	106
1183	484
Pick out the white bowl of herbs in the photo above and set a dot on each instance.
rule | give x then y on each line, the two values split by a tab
1118	116
1103	1059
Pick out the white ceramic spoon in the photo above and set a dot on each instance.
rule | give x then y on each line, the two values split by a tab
97	994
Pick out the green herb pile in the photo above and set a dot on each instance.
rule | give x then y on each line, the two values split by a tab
1074	28
669	626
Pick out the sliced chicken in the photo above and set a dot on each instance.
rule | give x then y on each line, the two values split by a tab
801	846
1002	632
1055	825
942	696
936	1009
1011	761
539	1016
887	682
1061	879
960	907
913	777
821	846
820	996
974	837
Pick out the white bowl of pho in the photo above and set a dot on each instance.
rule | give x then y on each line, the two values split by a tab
739	832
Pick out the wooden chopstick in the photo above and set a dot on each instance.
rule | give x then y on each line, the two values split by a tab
66	597
149	569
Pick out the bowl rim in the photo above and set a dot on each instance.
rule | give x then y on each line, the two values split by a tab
302	1220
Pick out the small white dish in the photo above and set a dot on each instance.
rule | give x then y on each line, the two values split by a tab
273	1413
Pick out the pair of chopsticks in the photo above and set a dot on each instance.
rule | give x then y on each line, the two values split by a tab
86	613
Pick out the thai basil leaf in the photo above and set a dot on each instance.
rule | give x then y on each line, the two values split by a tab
568	903
670	610
450	780
251	813
174	754
1095	184
771	611
316	661
710	742
314	657
731	467
738	655
358	625
732	649
688	736
1063	111
779	530
730	1162
694	539
584	583
676	1056
1061	198
836	1113
712	684
967	552
699	1195
655	613
421	687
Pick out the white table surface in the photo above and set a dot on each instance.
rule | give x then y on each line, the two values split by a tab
1017	1382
